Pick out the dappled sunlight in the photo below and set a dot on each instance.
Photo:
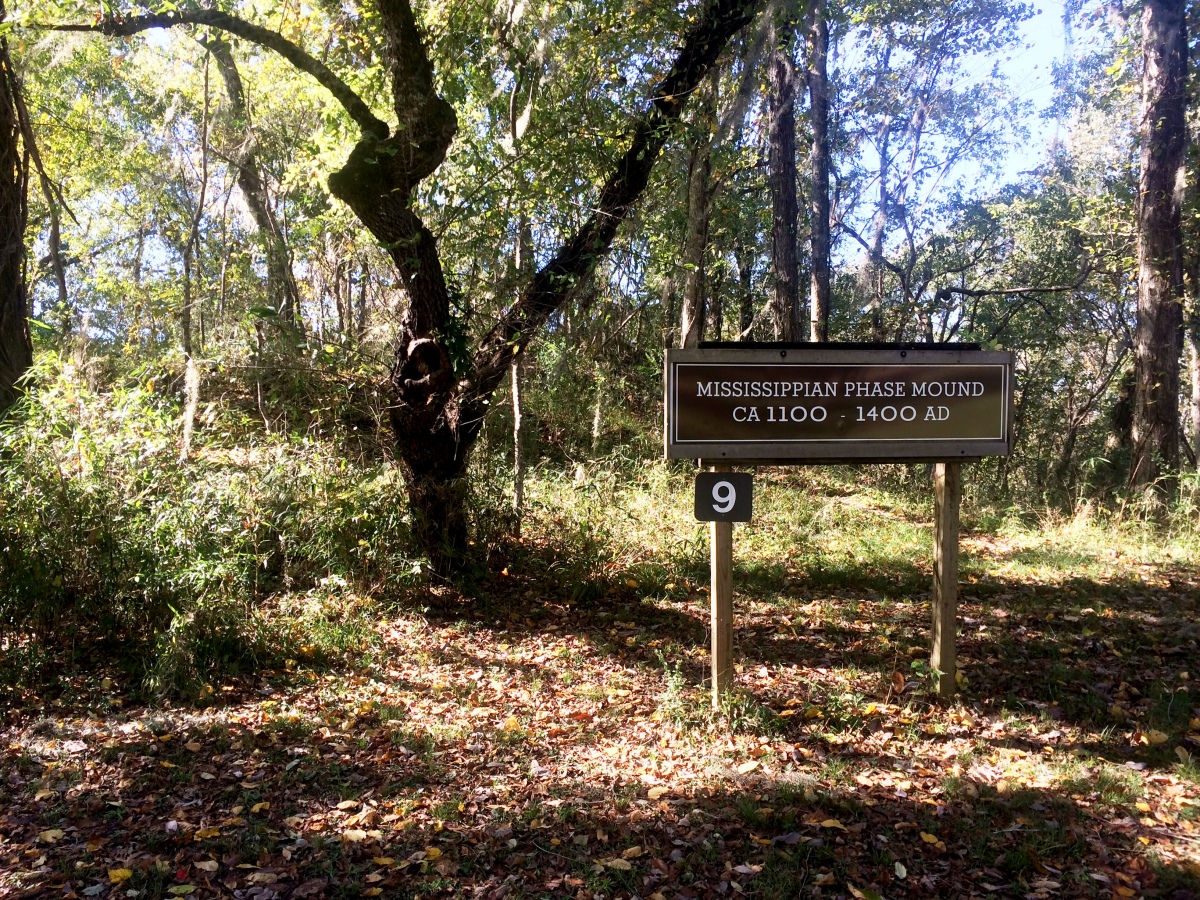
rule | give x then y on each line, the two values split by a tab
552	746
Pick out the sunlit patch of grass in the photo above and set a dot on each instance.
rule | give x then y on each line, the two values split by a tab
1103	782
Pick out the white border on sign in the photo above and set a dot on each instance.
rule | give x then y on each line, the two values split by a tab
674	389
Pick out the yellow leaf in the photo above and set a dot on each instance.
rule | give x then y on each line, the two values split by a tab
1143	806
207	865
383	860
928	838
116	876
259	807
194	746
618	864
347	804
50	835
1121	891
433	853
511	724
372	892
656	792
747	767
353	835
1156	737
629	582
168	765
632	853
204	833
833	823
826	879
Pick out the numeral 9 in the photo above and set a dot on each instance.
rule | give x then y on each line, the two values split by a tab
724	496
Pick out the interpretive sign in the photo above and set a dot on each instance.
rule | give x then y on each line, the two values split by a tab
833	404
724	496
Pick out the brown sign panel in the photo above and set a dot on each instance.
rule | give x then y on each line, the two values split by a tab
827	403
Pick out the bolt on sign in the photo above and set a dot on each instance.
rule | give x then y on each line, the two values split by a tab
781	404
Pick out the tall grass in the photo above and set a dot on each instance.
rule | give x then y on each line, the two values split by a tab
108	540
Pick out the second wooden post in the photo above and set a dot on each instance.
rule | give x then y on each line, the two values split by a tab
721	598
947	499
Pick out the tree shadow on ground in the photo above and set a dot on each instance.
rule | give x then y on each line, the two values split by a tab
490	816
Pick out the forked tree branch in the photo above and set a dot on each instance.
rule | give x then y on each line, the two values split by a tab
256	34
718	21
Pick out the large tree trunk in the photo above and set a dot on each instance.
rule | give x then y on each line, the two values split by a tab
781	161
15	349
1158	335
436	411
818	92
437	407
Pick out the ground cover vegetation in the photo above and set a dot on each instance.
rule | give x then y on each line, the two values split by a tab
336	553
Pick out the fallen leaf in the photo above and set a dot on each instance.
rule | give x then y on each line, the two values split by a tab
929	838
116	876
748	766
207	865
632	853
433	853
619	864
656	792
180	889
50	835
383	860
259	807
901	871
353	835
833	823
205	833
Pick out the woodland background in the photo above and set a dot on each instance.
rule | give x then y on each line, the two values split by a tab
330	482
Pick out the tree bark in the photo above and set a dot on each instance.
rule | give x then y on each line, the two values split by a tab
1162	181
818	92
781	161
16	351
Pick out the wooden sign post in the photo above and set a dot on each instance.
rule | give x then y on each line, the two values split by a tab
721	600
787	404
947	498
